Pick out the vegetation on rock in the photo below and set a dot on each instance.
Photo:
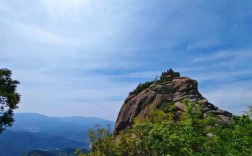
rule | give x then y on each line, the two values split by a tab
170	89
165	77
160	135
141	87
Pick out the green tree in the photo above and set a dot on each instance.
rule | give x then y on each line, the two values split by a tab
9	98
102	142
165	132
249	111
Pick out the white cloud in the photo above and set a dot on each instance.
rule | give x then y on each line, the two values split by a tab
203	44
63	7
33	32
52	46
216	56
146	74
232	97
86	96
222	75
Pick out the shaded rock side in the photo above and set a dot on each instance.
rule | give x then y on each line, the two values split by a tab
174	90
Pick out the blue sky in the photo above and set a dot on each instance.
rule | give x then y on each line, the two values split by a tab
82	57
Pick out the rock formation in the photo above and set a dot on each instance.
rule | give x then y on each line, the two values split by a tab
170	88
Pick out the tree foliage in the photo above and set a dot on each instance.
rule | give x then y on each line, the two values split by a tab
166	76
249	111
141	87
160	135
8	91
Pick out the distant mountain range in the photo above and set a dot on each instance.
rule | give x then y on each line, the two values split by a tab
15	143
32	122
33	131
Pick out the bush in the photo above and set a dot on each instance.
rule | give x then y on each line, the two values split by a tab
159	134
141	87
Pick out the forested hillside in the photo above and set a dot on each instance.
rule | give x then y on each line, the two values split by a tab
40	133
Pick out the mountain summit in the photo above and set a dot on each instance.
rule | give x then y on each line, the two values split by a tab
171	89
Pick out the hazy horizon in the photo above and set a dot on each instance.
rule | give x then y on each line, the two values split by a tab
59	116
83	57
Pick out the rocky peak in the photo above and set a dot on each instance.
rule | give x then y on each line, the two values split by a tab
169	74
170	88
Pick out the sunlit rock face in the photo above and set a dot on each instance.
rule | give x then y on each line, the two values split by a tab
172	89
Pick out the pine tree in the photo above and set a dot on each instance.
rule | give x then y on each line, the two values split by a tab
9	98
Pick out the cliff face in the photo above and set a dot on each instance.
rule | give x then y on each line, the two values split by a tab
171	88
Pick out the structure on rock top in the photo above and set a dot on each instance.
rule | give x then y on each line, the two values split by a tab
170	88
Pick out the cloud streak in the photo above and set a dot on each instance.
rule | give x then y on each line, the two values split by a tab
90	54
234	97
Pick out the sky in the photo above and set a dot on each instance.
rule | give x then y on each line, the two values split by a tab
83	57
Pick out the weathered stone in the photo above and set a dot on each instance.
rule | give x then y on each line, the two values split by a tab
202	101
180	106
170	91
225	119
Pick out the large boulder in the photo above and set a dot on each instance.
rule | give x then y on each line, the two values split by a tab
171	88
